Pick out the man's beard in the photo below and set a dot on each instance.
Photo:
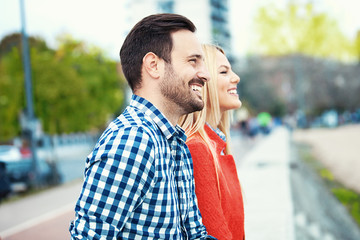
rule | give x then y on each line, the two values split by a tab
176	90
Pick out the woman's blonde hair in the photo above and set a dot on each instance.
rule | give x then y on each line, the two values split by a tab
193	123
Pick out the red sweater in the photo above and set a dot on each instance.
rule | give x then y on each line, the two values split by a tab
223	216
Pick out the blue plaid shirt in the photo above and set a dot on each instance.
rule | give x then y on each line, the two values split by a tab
139	181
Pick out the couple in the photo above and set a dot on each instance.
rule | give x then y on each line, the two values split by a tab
139	179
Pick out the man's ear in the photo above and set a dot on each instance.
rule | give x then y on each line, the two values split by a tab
152	65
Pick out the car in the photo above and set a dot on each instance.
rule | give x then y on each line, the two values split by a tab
9	153
18	167
5	185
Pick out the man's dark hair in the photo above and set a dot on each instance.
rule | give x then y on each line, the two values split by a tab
151	34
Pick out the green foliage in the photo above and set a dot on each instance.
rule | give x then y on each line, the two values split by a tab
326	174
300	29
75	88
350	199
357	45
345	195
11	94
355	211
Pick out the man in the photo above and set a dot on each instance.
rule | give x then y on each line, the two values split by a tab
139	178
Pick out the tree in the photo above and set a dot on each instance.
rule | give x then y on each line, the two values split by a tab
11	94
75	87
257	92
357	46
299	29
303	50
269	84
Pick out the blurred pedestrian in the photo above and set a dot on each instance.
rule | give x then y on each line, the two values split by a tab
242	118
216	181
139	178
264	119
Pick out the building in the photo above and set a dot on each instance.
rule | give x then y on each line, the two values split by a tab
211	17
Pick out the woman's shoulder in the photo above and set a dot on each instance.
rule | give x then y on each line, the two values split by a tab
199	150
196	142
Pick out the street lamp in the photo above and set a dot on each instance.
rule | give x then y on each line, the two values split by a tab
30	116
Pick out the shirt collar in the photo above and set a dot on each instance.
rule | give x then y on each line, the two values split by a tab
157	117
218	132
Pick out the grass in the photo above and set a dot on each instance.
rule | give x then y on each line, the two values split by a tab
349	198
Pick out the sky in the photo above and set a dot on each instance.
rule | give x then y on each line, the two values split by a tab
102	23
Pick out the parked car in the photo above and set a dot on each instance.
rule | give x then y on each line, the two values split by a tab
18	168
18	164
5	185
9	153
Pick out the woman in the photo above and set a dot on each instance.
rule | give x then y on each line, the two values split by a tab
217	185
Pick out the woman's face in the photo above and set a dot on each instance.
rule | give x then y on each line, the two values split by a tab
227	82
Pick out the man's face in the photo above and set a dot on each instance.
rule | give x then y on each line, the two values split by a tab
186	75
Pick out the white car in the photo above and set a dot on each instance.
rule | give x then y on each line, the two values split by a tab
17	166
9	153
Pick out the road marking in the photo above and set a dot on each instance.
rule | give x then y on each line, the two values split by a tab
35	221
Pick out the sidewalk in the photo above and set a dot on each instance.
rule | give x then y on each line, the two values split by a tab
24	217
285	199
264	176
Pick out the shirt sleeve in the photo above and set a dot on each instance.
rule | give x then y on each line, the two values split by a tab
206	188
120	174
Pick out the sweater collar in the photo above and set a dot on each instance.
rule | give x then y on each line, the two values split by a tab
220	143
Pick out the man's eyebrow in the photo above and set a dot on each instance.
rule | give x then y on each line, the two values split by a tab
199	56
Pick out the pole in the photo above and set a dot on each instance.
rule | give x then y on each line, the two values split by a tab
30	116
300	91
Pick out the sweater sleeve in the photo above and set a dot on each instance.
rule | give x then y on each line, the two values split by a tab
206	189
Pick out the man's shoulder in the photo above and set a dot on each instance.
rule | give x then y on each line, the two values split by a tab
135	120
127	128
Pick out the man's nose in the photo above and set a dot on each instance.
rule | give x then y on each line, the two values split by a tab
204	74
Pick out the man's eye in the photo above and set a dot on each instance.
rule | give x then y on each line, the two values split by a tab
193	60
